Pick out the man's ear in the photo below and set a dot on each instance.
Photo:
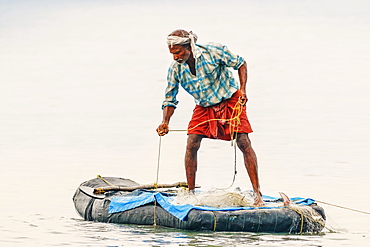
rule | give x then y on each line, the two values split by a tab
187	47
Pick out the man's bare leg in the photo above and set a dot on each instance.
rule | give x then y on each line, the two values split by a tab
250	162
191	161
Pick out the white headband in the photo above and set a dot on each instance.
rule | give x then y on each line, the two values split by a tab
176	40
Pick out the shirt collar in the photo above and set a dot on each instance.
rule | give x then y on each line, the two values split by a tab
198	52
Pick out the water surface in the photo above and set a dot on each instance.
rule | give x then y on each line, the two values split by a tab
81	83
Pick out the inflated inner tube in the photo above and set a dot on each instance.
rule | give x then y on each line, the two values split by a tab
95	207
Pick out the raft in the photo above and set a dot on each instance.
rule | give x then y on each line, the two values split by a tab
151	207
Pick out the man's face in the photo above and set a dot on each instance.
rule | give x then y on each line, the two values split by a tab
180	53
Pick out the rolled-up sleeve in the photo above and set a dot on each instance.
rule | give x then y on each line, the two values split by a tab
230	59
171	90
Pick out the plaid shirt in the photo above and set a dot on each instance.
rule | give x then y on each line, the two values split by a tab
213	81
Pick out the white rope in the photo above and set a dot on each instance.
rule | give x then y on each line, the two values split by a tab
158	162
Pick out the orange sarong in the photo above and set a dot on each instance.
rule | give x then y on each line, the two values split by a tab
203	123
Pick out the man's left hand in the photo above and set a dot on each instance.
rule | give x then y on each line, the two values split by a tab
243	99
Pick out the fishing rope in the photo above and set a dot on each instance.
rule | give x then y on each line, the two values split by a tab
238	107
156	181
351	209
234	122
235	171
233	143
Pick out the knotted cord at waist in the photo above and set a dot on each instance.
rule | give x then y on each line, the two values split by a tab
234	120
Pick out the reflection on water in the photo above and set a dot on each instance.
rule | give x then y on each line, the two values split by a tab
60	231
160	236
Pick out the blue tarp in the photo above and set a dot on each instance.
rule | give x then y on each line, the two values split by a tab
142	197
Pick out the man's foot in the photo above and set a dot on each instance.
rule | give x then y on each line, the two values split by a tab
258	202
285	198
191	192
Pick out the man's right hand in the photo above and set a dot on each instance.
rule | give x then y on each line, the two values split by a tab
162	129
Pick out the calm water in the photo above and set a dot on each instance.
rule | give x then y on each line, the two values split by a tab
81	83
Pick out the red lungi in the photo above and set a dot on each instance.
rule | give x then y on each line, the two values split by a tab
218	129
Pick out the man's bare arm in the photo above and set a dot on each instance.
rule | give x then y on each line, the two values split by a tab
167	114
243	76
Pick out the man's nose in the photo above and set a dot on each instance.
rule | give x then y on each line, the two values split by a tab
175	57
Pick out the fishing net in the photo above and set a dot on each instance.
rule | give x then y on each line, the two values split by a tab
215	198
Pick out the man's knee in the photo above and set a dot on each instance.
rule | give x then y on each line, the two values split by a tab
193	143
243	141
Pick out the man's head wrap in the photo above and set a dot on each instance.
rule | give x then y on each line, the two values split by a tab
189	38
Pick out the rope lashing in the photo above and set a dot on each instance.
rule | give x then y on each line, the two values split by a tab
302	215
214	221
155	213
302	218
106	181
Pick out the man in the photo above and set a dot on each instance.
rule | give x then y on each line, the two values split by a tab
220	111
